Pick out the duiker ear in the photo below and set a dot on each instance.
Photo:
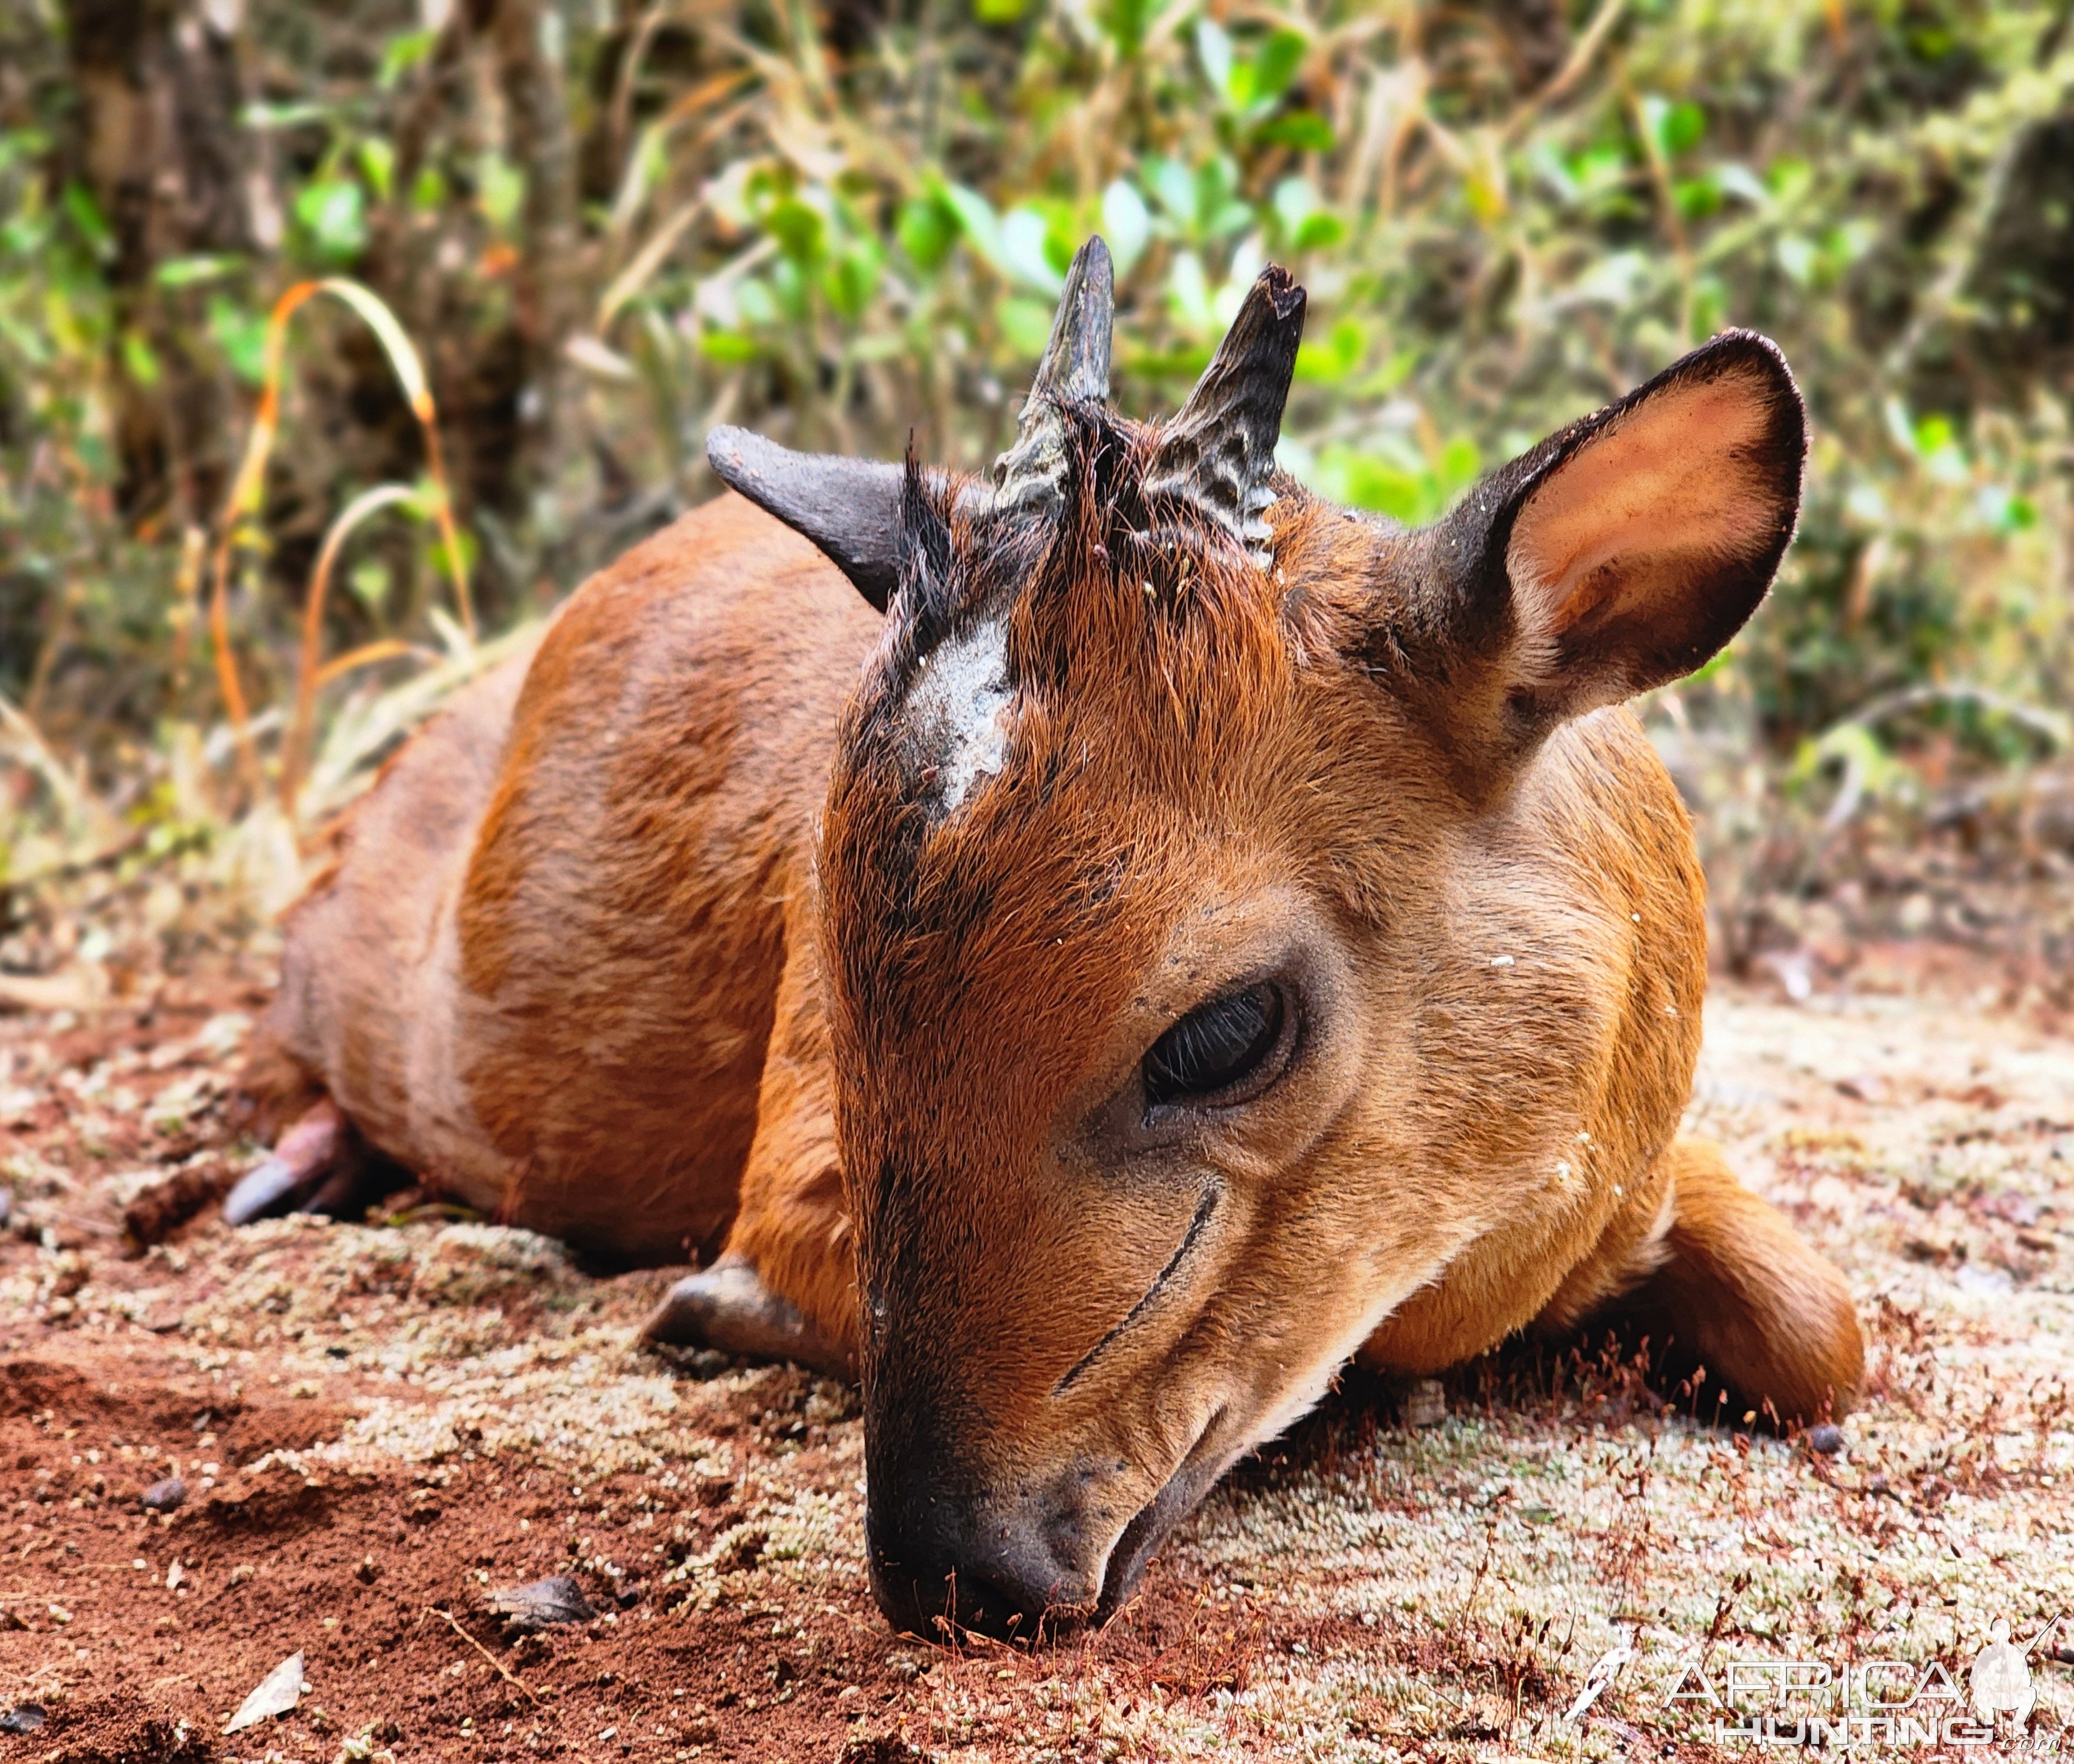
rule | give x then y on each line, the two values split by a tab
1627	549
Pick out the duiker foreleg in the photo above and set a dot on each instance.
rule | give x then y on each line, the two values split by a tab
1767	1317
782	1287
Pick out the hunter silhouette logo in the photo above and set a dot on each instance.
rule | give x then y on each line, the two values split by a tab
2001	1674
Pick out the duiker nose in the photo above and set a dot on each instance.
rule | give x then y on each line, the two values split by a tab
936	1558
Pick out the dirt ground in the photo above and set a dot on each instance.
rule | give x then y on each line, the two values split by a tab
379	1426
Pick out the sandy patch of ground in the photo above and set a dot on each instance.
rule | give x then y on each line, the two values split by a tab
379	1425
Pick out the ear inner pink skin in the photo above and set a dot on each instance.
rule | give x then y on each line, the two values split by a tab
1645	509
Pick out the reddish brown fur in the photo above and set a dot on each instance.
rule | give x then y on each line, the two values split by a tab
576	963
544	970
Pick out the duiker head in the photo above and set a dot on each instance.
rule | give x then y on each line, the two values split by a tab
1174	837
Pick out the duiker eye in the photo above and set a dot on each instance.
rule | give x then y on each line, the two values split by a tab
1211	1053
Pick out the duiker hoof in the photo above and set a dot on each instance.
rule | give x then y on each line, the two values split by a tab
305	1173
727	1307
272	1187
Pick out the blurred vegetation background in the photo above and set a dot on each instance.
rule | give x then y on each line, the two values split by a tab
575	233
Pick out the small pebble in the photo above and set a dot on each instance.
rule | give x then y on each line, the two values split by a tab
540	1605
163	1497
1425	1404
1827	1441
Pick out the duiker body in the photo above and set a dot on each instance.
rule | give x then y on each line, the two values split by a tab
1164	935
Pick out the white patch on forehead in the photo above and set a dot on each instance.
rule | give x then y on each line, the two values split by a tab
959	710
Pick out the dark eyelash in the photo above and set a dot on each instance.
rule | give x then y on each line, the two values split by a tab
1215	1046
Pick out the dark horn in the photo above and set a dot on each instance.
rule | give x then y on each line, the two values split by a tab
1075	368
1218	452
849	508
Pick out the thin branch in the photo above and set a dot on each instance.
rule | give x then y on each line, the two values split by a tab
1582	55
503	1671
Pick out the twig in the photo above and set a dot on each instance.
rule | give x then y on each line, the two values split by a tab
629	71
242	506
1667	202
647	260
34	753
1490	1546
2052	727
75	868
503	1671
309	670
1581	57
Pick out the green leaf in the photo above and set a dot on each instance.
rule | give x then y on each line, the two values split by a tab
728	347
926	229
1173	187
980	226
428	191
757	302
797	226
1789	177
1319	232
91	223
188	271
240	333
1295	201
1733	178
1362	480
1188	292
378	165
1277	64
999	11
139	358
1328	360
436	551
1696	198
1797	257
1685	126
2002	512
1460	463
334	212
1126	225
403	52
789	288
25	235
1214	49
1124	22
1305	131
1026	325
1306	223
1025	244
1933	434
369	580
500	191
851	279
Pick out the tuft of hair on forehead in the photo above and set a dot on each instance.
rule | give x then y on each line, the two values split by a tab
928	578
1078	584
1063	689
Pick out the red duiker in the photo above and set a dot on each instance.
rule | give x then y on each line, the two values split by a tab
1218	934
